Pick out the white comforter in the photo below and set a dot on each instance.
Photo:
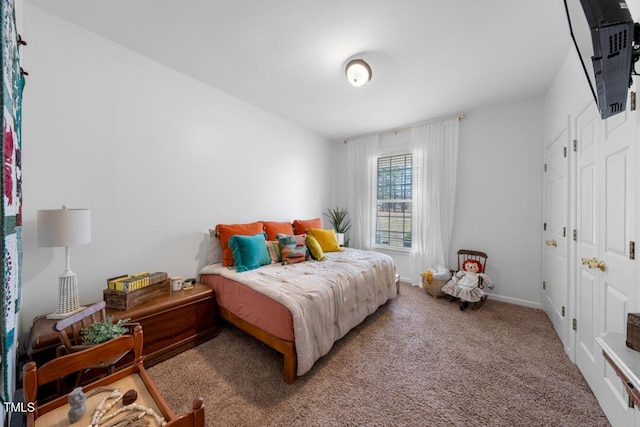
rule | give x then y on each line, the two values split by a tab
326	299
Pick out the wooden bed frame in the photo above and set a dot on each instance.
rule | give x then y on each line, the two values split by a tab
287	348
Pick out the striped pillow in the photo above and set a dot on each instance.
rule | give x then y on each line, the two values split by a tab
273	247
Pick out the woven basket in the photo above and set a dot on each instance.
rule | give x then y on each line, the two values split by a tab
434	288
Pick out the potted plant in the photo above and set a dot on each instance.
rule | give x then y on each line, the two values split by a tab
99	332
339	219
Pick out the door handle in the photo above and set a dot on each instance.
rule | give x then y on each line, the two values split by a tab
551	243
594	263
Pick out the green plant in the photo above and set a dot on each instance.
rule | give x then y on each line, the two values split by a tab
99	332
339	219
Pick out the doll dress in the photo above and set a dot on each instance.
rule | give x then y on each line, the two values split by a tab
466	289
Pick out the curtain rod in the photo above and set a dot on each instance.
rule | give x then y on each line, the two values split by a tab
399	129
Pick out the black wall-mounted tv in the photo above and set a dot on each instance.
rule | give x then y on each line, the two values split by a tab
604	34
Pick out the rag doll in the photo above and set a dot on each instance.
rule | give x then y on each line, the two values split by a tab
467	284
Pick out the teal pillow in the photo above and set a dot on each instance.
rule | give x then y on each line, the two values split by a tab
249	252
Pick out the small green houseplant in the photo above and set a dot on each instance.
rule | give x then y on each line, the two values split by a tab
99	332
339	219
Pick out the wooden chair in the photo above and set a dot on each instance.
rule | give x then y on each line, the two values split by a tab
481	257
70	333
131	377
70	329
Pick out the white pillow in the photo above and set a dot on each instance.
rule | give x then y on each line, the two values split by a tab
214	253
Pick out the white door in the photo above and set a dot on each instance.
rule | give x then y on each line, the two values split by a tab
556	234
606	174
617	232
587	135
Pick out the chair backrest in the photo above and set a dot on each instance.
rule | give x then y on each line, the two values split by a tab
34	377
69	329
465	254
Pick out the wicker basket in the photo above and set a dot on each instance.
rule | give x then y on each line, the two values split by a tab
434	288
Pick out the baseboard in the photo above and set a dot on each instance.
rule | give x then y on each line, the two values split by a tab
516	301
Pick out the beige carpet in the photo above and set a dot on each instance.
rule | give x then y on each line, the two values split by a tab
417	361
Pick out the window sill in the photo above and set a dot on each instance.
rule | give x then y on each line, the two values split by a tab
392	249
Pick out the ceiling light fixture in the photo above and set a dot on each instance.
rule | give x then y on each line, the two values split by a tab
358	72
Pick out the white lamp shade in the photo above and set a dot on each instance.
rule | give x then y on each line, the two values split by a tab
358	72
64	227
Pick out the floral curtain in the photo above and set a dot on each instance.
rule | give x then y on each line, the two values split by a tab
11	95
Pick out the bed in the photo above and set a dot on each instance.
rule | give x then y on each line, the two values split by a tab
302	309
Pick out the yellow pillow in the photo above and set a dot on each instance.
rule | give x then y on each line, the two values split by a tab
327	239
314	248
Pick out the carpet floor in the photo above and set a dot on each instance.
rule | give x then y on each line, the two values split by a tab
417	361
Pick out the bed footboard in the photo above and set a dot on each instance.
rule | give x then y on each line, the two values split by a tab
286	348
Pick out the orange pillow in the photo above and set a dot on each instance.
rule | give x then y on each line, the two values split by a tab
272	228
300	225
225	231
326	238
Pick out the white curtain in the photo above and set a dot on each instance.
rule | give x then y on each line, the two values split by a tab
361	187
435	159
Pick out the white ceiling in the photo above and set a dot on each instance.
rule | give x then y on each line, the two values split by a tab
429	58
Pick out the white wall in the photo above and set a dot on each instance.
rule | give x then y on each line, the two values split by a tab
499	201
569	89
157	156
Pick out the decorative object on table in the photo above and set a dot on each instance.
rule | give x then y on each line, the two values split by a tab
633	331
433	279
77	404
176	283
129	397
126	292
339	220
99	332
101	416
467	285
188	284
135	281
65	228
12	85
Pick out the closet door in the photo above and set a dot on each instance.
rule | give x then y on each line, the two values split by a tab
617	184
606	177
588	286
556	217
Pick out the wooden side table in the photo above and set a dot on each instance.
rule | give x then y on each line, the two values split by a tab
170	325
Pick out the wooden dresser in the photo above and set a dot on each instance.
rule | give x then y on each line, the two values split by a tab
171	324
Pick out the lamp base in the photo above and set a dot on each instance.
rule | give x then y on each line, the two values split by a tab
68	300
58	316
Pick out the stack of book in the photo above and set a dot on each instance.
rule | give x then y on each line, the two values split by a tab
136	281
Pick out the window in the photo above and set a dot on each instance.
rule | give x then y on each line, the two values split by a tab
393	210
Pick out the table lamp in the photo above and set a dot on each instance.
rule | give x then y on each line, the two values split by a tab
65	227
